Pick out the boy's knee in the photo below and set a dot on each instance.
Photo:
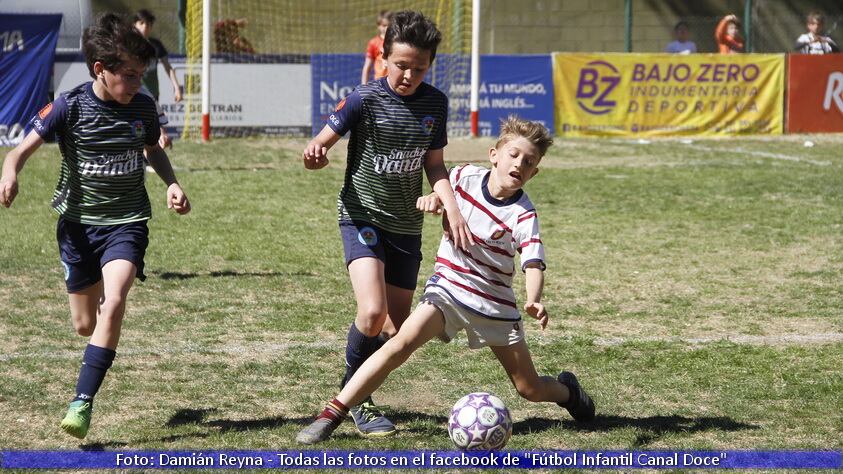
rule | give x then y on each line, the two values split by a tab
83	323
530	392
370	320
84	328
111	307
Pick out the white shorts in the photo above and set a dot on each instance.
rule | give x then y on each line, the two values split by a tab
481	331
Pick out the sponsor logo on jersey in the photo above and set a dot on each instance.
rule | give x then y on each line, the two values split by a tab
427	125
400	161
118	164
43	113
137	128
340	106
368	236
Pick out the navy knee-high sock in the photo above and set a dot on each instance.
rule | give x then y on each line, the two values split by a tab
95	363
358	348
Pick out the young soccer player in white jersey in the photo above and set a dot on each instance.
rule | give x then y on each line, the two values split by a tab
471	289
103	129
397	126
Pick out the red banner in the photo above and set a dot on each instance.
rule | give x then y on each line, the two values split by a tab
814	93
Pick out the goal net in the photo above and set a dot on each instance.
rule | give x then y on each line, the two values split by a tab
278	67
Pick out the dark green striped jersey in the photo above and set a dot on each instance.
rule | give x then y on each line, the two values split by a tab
102	169
390	136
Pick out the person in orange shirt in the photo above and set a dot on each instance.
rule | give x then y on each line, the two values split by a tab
727	35
374	50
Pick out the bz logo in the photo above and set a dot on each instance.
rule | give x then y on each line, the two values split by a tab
597	80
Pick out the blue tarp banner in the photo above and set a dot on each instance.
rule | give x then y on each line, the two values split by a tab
521	85
369	460
27	50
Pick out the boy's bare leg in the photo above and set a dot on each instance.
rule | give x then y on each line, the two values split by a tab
565	389
367	280
399	302
518	364
117	279
421	326
425	323
110	293
84	306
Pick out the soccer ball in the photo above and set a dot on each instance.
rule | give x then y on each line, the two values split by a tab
480	422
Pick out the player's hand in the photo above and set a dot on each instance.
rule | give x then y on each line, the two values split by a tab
177	94
177	199
458	231
315	156
164	140
429	203
8	191
537	311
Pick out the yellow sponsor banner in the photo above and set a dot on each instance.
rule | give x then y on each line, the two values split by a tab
649	95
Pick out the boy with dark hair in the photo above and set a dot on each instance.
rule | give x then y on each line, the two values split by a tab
813	42
682	43
472	290
103	128
398	129
144	21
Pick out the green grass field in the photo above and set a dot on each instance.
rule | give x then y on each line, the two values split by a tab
695	288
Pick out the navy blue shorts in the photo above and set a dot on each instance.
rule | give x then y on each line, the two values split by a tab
84	249
400	253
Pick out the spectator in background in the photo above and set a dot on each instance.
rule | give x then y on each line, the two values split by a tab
728	36
374	50
228	39
144	21
681	45
813	42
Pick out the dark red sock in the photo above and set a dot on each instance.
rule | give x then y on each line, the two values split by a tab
334	411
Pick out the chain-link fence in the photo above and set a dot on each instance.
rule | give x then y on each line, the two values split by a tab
543	26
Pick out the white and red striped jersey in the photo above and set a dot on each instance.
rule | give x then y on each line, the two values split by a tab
481	280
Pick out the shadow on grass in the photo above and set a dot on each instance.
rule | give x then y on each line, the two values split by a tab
198	418
224	274
651	428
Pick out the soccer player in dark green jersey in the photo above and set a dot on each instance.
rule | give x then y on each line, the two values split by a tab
398	129
103	128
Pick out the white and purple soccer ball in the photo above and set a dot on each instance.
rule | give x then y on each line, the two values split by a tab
480	422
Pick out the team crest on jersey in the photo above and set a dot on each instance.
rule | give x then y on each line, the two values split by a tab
43	113
498	234
340	106
368	236
137	128
427	125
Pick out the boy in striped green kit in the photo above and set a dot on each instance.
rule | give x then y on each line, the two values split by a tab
398	130
103	128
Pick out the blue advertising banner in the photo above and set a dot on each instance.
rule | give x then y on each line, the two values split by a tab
27	49
509	85
520	85
309	459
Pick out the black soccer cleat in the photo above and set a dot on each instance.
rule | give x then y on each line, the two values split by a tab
580	405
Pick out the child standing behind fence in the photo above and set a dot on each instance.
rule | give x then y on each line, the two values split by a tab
813	42
727	35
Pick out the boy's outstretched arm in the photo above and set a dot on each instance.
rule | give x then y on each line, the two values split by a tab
176	198
437	176
315	154
535	286
13	164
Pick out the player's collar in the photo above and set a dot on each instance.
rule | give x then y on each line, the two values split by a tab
495	201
